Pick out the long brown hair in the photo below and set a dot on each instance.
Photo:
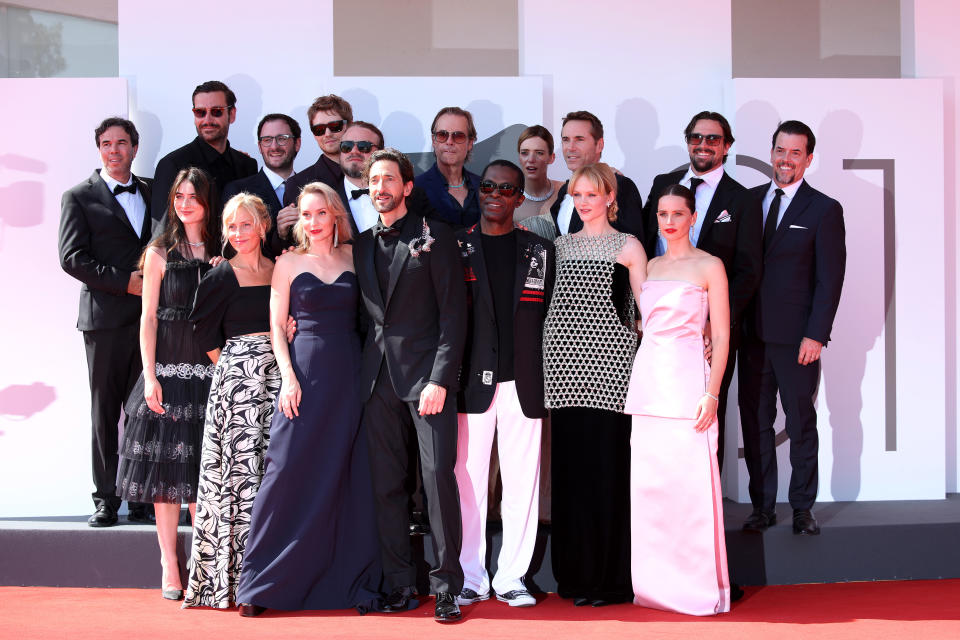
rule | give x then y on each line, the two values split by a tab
173	230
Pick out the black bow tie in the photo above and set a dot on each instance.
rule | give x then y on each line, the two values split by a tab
380	230
130	188
356	193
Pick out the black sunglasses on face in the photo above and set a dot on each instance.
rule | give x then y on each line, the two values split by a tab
458	137
505	188
216	112
362	146
335	127
712	140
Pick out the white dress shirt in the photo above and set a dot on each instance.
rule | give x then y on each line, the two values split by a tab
134	204
565	214
364	215
789	192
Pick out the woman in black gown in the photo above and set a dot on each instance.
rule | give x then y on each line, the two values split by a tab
313	538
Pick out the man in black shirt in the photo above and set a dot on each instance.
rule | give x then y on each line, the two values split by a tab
214	109
509	274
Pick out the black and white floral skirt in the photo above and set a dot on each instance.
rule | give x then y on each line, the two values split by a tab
235	435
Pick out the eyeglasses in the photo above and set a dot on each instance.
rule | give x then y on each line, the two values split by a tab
281	140
335	127
362	146
505	188
712	140
458	137
216	112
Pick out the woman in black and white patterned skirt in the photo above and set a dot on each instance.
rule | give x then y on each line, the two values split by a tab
231	317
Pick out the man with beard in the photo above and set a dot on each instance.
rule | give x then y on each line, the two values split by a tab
412	290
360	139
214	109
804	257
278	136
728	226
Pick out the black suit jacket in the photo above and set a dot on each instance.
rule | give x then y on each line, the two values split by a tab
323	170
737	241
259	185
532	291
198	153
418	328
803	270
629	209
100	248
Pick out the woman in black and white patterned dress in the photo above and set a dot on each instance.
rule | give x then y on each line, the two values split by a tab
231	317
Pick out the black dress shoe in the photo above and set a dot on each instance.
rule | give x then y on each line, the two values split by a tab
251	610
600	602
400	599
447	609
104	516
736	592
140	516
581	602
804	523
760	520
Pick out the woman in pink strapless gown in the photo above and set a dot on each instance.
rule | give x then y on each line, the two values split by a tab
678	554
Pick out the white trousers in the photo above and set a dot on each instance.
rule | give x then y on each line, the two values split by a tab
518	447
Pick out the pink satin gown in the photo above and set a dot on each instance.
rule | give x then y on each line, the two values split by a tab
678	553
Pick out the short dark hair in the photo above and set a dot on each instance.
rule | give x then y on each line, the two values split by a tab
796	128
270	117
116	121
536	131
391	154
211	86
369	127
679	190
596	127
508	165
330	103
716	117
455	111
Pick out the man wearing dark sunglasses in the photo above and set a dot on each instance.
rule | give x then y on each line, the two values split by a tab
357	144
451	188
509	274
329	117
278	136
214	109
729	226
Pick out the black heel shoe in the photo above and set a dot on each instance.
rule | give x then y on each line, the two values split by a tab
251	610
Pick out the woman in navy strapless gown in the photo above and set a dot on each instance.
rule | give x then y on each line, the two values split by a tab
313	538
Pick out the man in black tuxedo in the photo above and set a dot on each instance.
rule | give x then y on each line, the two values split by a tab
214	109
358	142
804	259
329	117
105	223
729	226
509	273
581	140
412	289
278	136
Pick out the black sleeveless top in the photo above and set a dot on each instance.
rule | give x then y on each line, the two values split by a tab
223	309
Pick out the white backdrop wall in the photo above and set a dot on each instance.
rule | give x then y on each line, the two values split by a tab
637	66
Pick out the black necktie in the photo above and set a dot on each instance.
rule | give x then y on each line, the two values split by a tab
356	193
770	226
694	183
130	188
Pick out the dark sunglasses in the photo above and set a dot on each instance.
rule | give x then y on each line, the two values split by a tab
362	146
712	140
505	188
335	127
459	137
216	112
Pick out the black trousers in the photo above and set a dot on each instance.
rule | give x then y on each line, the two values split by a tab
765	370
724	392
390	423
113	365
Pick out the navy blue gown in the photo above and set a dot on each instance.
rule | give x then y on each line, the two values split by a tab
313	537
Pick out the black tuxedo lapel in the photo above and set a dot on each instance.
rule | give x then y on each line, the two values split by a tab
555	208
102	193
146	229
274	203
366	271
801	200
713	211
412	229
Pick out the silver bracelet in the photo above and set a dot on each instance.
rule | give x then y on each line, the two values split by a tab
710	395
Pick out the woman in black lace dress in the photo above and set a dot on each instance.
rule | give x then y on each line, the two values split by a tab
160	452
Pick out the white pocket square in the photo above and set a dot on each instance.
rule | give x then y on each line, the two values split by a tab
724	216
796	226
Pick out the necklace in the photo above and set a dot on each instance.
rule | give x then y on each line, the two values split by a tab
533	198
457	186
195	244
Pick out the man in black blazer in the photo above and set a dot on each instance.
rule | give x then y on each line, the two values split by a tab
804	261
729	226
105	223
278	136
412	289
581	140
329	117
509	273
214	109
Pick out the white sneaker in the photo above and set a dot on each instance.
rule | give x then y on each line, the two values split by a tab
469	596
517	598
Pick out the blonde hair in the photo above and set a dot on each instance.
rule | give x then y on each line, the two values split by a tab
333	202
602	177
251	204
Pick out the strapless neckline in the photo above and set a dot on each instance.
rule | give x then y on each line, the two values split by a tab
320	280
681	282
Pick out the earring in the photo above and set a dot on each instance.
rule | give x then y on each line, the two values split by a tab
335	234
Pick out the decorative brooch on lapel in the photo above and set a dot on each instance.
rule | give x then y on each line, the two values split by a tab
423	242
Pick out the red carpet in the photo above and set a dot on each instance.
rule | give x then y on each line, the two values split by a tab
920	610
